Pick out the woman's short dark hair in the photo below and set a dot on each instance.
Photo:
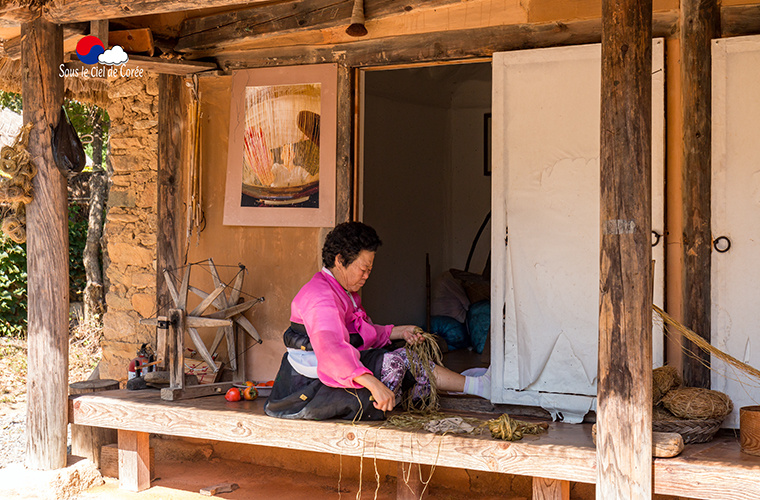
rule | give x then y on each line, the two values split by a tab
348	240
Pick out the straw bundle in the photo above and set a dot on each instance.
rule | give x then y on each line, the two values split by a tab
664	379
417	421
422	357
508	429
504	427
695	403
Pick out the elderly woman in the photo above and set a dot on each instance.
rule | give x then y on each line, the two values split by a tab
338	364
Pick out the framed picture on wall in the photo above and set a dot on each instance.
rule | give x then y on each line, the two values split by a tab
487	144
282	145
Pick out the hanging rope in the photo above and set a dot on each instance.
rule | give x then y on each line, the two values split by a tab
195	216
674	325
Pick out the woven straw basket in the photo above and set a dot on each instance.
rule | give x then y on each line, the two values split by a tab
692	431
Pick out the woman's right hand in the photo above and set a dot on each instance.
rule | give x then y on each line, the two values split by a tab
385	399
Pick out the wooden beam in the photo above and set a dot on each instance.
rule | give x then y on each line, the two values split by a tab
137	65
550	489
171	121
69	11
169	66
738	20
433	47
134	40
624	390
134	460
699	24
47	252
195	391
232	28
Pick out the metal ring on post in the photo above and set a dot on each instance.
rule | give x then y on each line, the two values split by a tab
717	240
657	237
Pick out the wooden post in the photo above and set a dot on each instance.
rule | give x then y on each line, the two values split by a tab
162	342
550	489
171	123
409	482
176	349
134	460
87	441
100	29
343	195
700	22
624	404
47	252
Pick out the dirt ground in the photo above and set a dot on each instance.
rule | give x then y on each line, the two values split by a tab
84	355
184	480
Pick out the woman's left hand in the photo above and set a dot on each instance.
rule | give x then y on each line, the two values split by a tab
407	333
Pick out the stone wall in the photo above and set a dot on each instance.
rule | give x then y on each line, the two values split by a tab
130	230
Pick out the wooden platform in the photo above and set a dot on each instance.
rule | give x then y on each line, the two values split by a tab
716	470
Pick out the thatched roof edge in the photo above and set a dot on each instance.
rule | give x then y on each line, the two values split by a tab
88	90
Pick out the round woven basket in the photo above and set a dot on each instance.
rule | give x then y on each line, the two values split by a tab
692	431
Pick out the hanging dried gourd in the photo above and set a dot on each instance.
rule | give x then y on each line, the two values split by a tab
16	174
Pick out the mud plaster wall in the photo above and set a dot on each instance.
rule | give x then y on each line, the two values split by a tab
130	230
278	260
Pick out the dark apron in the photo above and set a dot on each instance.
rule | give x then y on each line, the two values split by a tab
297	397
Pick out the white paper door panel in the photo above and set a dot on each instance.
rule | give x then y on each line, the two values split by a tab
735	274
545	314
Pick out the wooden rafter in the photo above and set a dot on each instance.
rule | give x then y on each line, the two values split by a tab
227	29
69	11
439	46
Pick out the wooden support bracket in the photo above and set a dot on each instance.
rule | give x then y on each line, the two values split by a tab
134	460
550	489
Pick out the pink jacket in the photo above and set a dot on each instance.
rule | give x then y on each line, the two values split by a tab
328	314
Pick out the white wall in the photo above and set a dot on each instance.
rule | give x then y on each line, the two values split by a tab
424	187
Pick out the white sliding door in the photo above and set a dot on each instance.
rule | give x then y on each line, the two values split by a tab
545	291
736	216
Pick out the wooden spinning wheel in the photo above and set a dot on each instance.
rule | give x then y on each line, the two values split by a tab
228	314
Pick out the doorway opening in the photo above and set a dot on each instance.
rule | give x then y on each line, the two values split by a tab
425	186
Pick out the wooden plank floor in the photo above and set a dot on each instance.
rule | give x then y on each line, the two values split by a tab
716	470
